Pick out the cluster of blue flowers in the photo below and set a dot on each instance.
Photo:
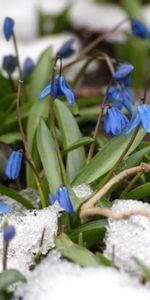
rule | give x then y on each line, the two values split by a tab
118	96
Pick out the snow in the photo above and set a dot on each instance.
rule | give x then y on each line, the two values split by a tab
128	238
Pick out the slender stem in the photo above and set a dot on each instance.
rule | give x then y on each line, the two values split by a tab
130	185
146	88
5	252
52	121
27	153
100	56
17	55
94	43
86	207
92	147
121	157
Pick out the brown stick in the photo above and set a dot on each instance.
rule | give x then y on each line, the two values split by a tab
88	206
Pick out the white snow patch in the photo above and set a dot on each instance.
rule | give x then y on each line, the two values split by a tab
55	279
128	238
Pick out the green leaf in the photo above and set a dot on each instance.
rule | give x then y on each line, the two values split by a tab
40	75
92	232
140	192
14	195
145	270
9	277
74	252
103	260
40	109
134	159
106	158
70	134
79	143
10	138
47	152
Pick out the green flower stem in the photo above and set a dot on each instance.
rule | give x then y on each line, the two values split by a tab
94	43
108	176
98	124
92	147
100	56
131	184
28	157
52	123
17	55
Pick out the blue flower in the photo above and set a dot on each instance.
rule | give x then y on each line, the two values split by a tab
61	88
4	208
8	28
66	50
9	63
122	72
120	97
63	198
115	121
28	67
52	199
14	164
141	115
9	233
139	29
114	94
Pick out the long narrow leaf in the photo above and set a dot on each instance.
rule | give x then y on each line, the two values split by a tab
70	134
48	157
75	252
12	194
106	158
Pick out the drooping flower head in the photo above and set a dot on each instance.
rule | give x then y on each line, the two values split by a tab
123	71
9	63
28	67
141	115
63	198
139	29
61	88
8	28
66	49
13	165
120	96
115	121
9	233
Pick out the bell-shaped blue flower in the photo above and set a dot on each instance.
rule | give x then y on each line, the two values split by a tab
8	28
9	233
139	29
120	97
66	50
9	63
28	67
141	115
13	165
122	72
115	121
61	88
63	198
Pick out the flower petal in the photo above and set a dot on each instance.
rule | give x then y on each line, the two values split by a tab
144	111
67	91
134	122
